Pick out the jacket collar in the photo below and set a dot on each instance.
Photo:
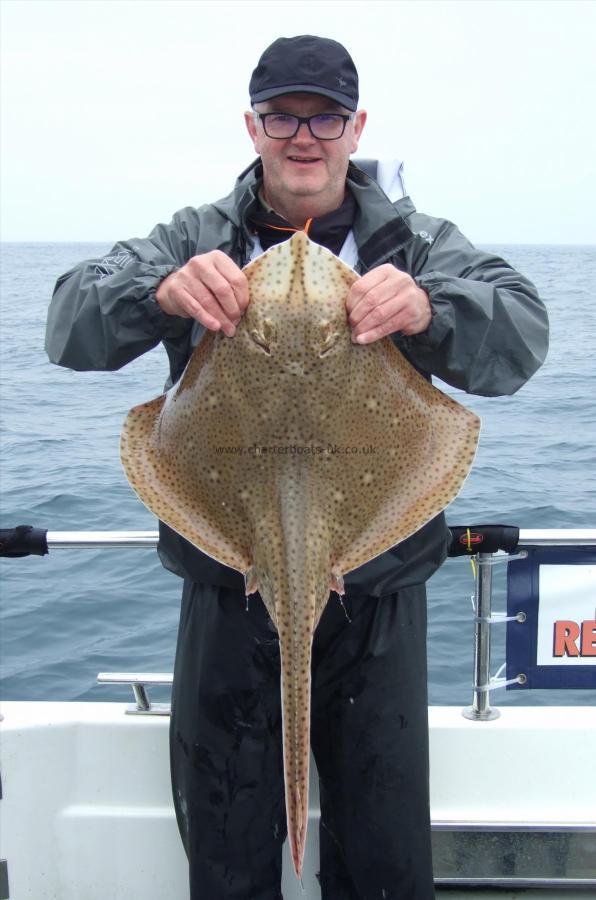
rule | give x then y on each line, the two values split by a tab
380	227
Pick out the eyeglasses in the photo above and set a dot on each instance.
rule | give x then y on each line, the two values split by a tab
323	127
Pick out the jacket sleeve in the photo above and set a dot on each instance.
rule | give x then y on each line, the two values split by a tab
103	313
489	328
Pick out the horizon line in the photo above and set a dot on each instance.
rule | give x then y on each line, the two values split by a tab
479	243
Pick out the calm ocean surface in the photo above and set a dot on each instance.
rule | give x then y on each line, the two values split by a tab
67	616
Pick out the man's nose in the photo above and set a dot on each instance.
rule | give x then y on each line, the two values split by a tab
304	135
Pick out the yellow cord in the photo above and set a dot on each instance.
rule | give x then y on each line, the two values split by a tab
472	562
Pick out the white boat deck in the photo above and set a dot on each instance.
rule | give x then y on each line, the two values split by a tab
86	811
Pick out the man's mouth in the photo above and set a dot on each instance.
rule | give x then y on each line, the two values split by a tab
304	159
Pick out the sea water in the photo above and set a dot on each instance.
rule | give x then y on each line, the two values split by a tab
67	616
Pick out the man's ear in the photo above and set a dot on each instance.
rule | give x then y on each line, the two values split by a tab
358	125
251	127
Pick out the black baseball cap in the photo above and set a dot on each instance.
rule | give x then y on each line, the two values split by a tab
306	64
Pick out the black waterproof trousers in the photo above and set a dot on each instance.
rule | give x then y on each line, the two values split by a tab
369	738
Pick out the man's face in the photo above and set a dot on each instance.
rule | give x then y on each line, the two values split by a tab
302	166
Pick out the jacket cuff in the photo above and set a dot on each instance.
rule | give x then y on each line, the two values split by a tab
168	325
432	335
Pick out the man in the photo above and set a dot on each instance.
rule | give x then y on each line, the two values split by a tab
455	312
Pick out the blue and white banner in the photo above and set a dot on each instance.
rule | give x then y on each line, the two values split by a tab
555	647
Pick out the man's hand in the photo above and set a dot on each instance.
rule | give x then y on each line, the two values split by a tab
210	288
386	300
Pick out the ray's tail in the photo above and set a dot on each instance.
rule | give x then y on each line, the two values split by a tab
299	579
295	685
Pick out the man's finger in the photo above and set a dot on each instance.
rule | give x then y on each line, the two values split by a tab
378	315
205	277
375	298
362	286
235	278
195	310
390	326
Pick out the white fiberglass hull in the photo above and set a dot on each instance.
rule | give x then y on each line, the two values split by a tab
86	811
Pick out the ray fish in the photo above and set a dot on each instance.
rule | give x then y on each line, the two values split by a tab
294	456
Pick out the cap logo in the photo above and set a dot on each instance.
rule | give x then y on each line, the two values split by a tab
341	81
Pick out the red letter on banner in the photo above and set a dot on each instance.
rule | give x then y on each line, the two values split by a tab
588	643
566	634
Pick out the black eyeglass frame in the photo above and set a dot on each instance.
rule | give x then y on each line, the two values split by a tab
304	120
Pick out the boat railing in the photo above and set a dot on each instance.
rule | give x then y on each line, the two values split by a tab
484	617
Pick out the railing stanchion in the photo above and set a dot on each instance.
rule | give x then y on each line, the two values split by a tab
142	698
481	708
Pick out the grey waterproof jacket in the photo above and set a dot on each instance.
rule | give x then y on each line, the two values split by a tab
488	333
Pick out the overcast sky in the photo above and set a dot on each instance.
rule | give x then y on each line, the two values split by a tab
117	113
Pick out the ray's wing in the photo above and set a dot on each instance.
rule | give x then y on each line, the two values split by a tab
168	448
414	448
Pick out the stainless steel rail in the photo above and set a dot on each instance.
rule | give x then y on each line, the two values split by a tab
557	537
139	681
480	710
101	540
113	540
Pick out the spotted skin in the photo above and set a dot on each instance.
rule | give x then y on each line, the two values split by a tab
296	518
